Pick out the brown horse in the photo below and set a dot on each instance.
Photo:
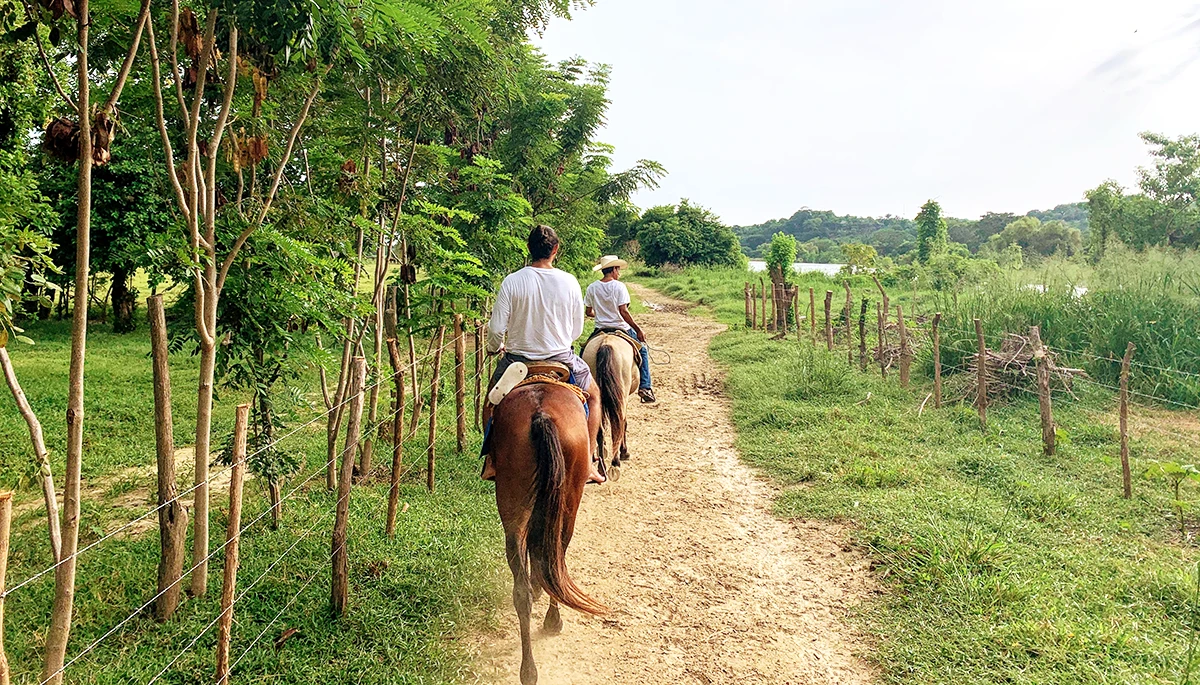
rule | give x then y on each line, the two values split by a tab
615	366
540	441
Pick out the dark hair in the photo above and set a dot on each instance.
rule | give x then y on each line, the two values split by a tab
609	270
541	243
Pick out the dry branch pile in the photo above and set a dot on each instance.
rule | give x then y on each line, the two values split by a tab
1013	368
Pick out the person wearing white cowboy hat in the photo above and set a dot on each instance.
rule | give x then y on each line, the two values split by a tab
607	300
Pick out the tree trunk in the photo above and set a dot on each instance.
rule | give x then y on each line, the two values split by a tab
340	583
172	516
64	574
124	303
204	404
364	466
45	475
233	535
397	436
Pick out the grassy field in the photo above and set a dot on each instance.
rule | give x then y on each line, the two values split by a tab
412	597
1001	565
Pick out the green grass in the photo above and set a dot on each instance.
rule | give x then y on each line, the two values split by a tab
1000	565
412	597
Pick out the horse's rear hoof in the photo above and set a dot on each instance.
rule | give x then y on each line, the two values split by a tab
553	625
528	673
614	473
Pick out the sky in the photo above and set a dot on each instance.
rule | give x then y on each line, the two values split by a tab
758	108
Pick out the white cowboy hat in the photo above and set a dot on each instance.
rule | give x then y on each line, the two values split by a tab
608	261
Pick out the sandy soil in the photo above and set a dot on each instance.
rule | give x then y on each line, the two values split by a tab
705	585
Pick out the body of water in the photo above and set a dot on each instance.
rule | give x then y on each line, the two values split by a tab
757	265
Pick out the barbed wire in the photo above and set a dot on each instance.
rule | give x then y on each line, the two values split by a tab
214	475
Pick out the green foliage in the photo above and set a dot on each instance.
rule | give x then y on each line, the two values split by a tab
782	254
859	257
686	234
932	234
1036	239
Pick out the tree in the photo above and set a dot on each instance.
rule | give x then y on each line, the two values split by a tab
932	235
781	256
1036	239
686	234
1174	182
859	257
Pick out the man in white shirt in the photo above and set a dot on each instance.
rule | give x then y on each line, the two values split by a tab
607	300
537	317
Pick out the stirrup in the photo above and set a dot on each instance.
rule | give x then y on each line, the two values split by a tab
513	375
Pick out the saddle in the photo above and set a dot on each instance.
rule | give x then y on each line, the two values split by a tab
637	346
553	370
534	373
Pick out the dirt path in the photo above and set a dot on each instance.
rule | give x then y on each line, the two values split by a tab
705	585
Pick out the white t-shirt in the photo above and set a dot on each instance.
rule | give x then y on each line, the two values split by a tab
606	298
538	313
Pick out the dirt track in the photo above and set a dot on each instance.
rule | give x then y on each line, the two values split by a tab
705	585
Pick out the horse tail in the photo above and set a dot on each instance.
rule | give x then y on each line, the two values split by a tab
547	549
611	391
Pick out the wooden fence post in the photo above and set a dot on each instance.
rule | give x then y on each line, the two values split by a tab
753	308
1126	477
796	311
1043	385
905	353
172	515
829	320
397	436
763	287
937	362
812	315
862	336
480	338
232	539
849	325
882	294
781	308
981	400
5	527
340	581
460	384
433	404
880	340
746	294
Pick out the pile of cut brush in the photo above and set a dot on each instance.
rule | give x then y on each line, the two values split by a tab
1013	369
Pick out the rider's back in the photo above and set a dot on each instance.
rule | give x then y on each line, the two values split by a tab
540	311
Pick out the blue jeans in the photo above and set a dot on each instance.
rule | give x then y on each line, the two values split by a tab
645	366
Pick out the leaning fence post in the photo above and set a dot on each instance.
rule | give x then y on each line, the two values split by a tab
232	539
5	527
433	403
1126	478
172	515
397	436
880	341
905	353
883	294
829	320
1043	385
339	586
937	362
862	336
460	384
981	399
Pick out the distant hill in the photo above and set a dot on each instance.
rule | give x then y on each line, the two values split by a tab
890	235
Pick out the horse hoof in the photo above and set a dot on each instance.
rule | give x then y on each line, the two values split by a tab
528	673
552	627
614	473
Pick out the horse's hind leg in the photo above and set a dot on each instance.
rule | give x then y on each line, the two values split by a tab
553	623
518	563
